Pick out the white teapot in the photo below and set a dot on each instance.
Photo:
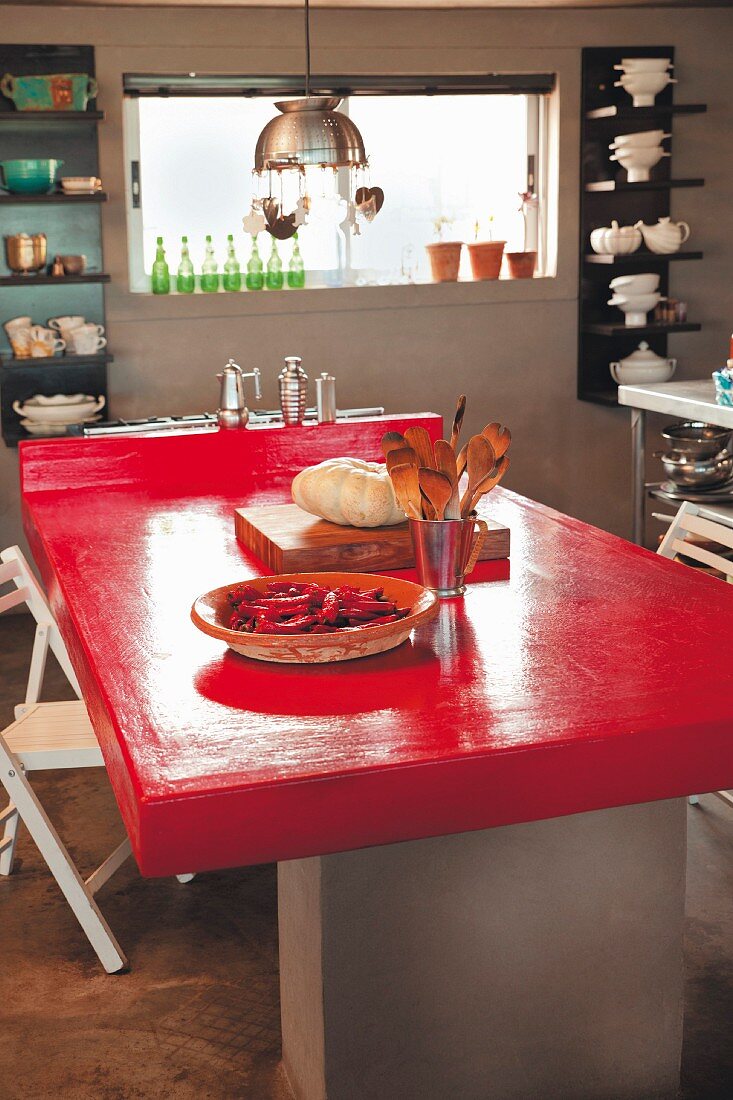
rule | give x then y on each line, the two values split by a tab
664	237
643	365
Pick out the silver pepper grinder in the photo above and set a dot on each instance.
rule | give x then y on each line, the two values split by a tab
293	382
326	398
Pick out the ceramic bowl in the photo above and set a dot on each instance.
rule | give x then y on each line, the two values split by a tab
639	156
642	138
60	409
46	427
644	64
211	612
29	177
645	283
639	375
645	83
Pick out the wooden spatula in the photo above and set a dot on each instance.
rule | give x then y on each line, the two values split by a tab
479	463
419	439
498	437
407	490
390	441
445	459
490	481
437	488
458	421
401	456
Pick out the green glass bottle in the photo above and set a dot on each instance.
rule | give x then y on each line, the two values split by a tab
296	267
232	278
209	270
254	279
160	280
274	279
186	280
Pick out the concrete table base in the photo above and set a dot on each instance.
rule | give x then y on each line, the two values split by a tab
534	960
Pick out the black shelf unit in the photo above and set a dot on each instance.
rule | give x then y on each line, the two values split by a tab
72	224
53	196
29	281
606	195
613	329
638	259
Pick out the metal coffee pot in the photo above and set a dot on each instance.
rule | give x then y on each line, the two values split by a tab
24	253
232	411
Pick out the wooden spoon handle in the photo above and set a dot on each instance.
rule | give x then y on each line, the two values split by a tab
490	482
483	530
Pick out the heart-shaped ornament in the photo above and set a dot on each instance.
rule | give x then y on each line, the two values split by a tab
369	201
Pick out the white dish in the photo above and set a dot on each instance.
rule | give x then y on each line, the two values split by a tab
59	412
645	283
639	160
635	307
642	138
615	240
643	87
645	64
44	427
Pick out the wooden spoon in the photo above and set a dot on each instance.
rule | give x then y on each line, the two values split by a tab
492	479
445	458
407	490
480	462
458	421
401	456
437	488
498	437
419	439
461	458
390	442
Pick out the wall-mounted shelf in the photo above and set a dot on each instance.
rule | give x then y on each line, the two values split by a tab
29	281
648	185
607	110
610	329
638	259
72	224
29	117
54	196
645	114
36	365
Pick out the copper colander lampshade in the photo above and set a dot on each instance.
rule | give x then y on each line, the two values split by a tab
308	132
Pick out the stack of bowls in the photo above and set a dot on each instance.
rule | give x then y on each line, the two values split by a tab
635	296
29	177
639	152
699	457
644	78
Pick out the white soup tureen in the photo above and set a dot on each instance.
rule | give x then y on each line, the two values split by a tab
643	365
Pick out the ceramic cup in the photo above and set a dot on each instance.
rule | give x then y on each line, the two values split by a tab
87	339
44	342
17	323
20	342
64	325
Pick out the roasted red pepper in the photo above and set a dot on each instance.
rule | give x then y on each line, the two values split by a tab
291	608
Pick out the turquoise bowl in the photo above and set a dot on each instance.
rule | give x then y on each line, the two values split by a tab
29	177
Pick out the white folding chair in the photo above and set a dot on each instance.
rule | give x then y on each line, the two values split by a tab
48	736
710	525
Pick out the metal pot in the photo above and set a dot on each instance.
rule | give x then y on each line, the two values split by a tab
25	254
694	439
697	473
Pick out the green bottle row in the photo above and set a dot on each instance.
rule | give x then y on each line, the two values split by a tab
258	277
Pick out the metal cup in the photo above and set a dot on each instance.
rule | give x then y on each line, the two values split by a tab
446	552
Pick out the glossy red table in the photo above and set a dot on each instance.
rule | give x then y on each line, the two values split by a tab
593	677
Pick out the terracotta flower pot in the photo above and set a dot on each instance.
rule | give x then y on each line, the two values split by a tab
486	258
445	260
521	264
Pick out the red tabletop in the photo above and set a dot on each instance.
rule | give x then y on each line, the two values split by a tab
595	675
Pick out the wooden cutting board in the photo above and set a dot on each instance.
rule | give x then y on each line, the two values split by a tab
289	540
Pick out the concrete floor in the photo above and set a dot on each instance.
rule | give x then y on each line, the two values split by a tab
198	1016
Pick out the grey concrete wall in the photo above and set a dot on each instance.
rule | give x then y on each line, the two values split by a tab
510	347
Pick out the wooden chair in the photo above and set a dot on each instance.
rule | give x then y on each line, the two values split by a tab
691	519
47	736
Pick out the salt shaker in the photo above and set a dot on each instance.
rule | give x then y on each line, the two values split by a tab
293	382
326	398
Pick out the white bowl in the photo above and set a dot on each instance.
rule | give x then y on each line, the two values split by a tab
637	303
642	138
646	283
46	427
644	64
638	375
38	409
644	86
638	160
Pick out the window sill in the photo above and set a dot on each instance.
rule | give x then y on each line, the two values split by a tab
146	306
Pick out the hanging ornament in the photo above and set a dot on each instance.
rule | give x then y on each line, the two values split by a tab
254	222
369	201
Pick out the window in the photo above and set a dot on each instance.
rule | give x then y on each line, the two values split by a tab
452	163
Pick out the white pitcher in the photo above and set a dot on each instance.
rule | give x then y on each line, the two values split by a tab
664	237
